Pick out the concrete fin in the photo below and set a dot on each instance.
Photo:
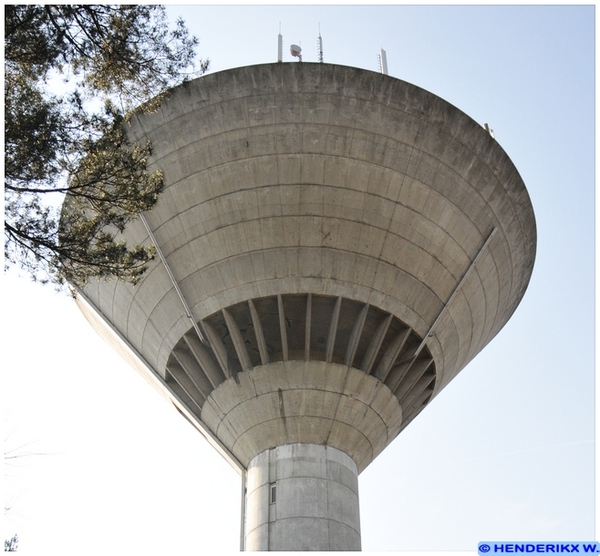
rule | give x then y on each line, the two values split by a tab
398	372
282	327
185	382
413	408
193	370
286	328
182	397
217	346
375	344
402	378
307	329
417	388
391	354
205	359
333	330
259	333
238	341
355	336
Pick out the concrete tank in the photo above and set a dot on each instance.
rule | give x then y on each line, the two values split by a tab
335	245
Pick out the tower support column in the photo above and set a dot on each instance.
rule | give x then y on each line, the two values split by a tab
302	497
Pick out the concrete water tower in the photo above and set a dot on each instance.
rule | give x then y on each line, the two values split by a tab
334	246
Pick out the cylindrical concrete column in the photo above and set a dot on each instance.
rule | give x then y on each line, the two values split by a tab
302	497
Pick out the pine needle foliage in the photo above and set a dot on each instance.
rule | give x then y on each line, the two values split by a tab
12	544
74	74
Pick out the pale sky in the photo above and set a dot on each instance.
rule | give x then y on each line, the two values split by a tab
505	452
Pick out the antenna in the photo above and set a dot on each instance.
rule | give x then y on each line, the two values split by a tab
296	51
382	62
279	45
320	46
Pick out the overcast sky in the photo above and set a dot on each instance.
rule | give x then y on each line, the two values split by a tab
505	452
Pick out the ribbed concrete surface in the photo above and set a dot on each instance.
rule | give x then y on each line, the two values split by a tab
302	497
317	345
301	199
301	401
290	178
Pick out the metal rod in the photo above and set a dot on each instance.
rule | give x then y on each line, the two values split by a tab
186	307
458	286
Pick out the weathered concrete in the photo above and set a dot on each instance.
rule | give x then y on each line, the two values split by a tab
302	497
342	239
304	401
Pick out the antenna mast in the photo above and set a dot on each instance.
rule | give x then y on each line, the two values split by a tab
320	46
382	62
279	45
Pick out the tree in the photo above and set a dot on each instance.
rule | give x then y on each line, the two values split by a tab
11	544
73	77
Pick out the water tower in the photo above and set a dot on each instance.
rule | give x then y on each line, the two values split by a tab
334	246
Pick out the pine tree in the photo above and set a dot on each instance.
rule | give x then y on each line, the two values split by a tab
11	544
73	77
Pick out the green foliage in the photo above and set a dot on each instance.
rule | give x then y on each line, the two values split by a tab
73	74
11	544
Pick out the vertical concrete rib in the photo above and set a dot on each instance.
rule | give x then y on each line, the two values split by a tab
412	406
181	377
217	346
307	327
282	327
391	354
205	359
375	344
398	372
355	336
259	333
192	368
416	407
333	330
238	341
417	389
411	376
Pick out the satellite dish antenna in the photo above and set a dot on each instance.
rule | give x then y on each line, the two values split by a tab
296	51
